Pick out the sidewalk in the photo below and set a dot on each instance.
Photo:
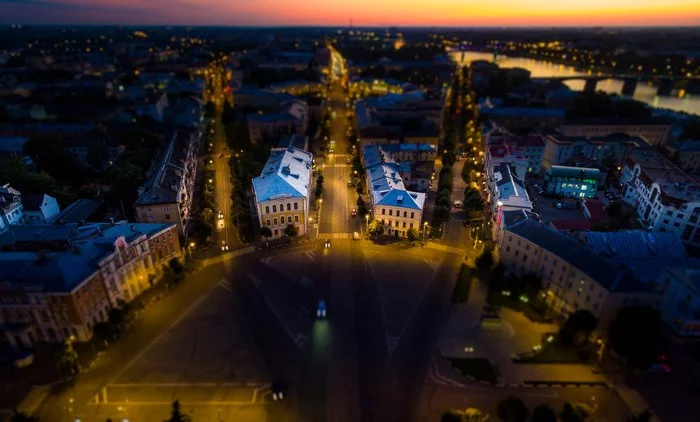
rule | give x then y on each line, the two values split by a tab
464	337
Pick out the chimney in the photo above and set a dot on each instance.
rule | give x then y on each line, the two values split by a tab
111	220
133	228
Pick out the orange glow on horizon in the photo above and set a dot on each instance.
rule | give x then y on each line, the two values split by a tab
363	12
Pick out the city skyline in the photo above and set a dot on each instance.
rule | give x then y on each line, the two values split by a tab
452	13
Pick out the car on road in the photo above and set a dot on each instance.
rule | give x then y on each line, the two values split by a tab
353	213
224	246
221	215
355	236
328	243
347	161
278	391
221	155
321	309
458	204
351	185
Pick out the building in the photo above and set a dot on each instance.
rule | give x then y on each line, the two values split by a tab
293	141
665	197
571	182
594	211
292	120
397	208
655	131
58	280
39	208
282	191
166	197
11	208
585	162
680	301
532	148
611	149
517	118
82	210
573	275
506	190
410	152
686	154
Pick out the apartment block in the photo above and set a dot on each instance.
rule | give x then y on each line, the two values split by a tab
166	197
654	131
282	191
59	280
665	197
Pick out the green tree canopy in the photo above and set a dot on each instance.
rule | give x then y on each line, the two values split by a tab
512	409
543	413
578	327
635	334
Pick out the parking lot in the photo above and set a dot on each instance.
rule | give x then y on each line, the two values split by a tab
546	207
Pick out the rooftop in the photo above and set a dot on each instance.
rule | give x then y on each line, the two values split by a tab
573	172
79	210
595	209
617	121
164	179
507	182
559	113
577	254
408	148
655	168
645	254
685	146
57	258
287	174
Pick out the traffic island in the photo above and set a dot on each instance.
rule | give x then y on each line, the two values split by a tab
476	369
460	294
553	351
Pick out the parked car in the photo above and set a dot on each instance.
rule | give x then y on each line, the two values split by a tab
458	204
347	161
221	215
278	391
353	213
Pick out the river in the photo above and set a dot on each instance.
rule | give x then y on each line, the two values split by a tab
645	92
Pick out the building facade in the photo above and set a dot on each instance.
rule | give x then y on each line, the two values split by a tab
166	197
665	198
680	301
59	280
282	191
686	154
571	182
612	148
655	132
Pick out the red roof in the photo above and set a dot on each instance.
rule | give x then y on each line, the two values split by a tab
595	209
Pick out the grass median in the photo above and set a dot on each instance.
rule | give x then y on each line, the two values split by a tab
478	368
460	294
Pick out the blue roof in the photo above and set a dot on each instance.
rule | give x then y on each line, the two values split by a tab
408	147
287	173
401	198
81	249
578	255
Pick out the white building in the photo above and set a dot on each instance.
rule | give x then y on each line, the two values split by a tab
39	208
654	131
612	147
396	207
282	191
573	275
666	198
11	209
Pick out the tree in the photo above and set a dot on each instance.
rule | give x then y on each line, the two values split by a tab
690	131
632	109
291	230
574	412
412	234
376	227
228	116
578	327
68	358
22	417
265	232
467	415
590	104
512	409
176	414
644	416
452	415
635	334
485	260
544	413
176	266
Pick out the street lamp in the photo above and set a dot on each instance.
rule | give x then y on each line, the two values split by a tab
425	225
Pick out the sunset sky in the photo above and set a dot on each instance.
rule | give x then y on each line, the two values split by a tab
362	12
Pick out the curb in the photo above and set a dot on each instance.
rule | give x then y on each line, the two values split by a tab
565	384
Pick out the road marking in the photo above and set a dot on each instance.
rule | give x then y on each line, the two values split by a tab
224	283
306	282
161	335
432	263
256	281
392	342
310	255
266	260
182	384
301	341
